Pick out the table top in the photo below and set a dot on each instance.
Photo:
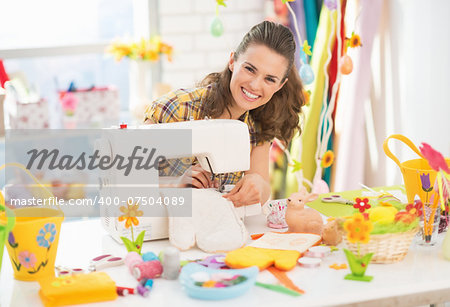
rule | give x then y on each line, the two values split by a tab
422	277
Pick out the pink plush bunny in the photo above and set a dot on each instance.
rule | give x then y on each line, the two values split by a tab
300	219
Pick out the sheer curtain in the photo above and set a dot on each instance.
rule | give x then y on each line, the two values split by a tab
407	92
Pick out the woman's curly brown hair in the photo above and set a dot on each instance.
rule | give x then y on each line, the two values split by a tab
280	116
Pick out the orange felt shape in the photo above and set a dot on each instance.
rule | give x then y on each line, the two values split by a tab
262	257
77	289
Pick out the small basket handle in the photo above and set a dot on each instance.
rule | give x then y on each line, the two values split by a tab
405	140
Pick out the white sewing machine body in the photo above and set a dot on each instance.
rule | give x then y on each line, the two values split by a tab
220	145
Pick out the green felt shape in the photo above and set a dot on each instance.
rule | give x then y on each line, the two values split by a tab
358	266
339	210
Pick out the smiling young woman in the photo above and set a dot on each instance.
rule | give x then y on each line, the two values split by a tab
259	86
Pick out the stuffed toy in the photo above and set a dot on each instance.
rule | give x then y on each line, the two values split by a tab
301	219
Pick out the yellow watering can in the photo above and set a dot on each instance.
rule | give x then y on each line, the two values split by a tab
33	241
418	175
6	225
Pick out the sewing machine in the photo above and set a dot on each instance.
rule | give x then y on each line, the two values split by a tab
221	146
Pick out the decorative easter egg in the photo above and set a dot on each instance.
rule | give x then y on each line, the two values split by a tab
306	73
330	4
303	56
346	65
216	27
383	215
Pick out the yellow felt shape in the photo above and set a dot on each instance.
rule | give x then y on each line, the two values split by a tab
262	257
77	289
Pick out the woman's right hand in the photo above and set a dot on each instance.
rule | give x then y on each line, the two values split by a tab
196	177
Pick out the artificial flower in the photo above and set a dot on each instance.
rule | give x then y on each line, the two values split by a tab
354	41
426	185
130	214
358	229
327	159
415	209
405	217
434	158
27	259
361	204
146	50
307	48
69	103
46	235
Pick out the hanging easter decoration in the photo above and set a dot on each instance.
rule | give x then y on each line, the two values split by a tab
346	65
306	73
330	4
216	27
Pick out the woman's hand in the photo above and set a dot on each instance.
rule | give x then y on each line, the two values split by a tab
196	177
248	191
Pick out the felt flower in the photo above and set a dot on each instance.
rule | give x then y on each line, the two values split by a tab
145	49
415	209
307	48
361	204
46	235
426	185
434	158
327	159
354	41
27	259
358	229
405	217
130	214
12	240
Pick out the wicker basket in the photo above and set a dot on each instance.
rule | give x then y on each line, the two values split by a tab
386	248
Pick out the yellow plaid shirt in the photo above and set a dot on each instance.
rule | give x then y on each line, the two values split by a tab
182	105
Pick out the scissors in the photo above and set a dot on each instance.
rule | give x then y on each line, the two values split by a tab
105	261
337	199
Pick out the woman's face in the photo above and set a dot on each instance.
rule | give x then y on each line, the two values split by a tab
256	75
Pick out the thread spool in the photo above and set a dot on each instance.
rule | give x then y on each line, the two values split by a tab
149	256
149	270
143	291
318	251
171	263
308	262
132	259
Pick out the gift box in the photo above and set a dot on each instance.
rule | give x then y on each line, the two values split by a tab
97	105
24	109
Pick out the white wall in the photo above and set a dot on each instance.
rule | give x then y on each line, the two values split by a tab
185	25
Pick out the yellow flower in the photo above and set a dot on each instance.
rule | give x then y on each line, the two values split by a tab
358	229
354	41
307	48
147	50
130	214
327	159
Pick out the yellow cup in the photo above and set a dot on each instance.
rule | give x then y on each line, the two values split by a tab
418	175
33	242
6	224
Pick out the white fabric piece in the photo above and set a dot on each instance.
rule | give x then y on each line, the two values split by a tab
215	225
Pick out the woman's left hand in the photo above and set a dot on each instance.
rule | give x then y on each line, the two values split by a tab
248	191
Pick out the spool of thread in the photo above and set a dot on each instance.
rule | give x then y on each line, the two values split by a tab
132	259
149	270
123	291
149	256
143	291
149	284
318	251
308	262
171	263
